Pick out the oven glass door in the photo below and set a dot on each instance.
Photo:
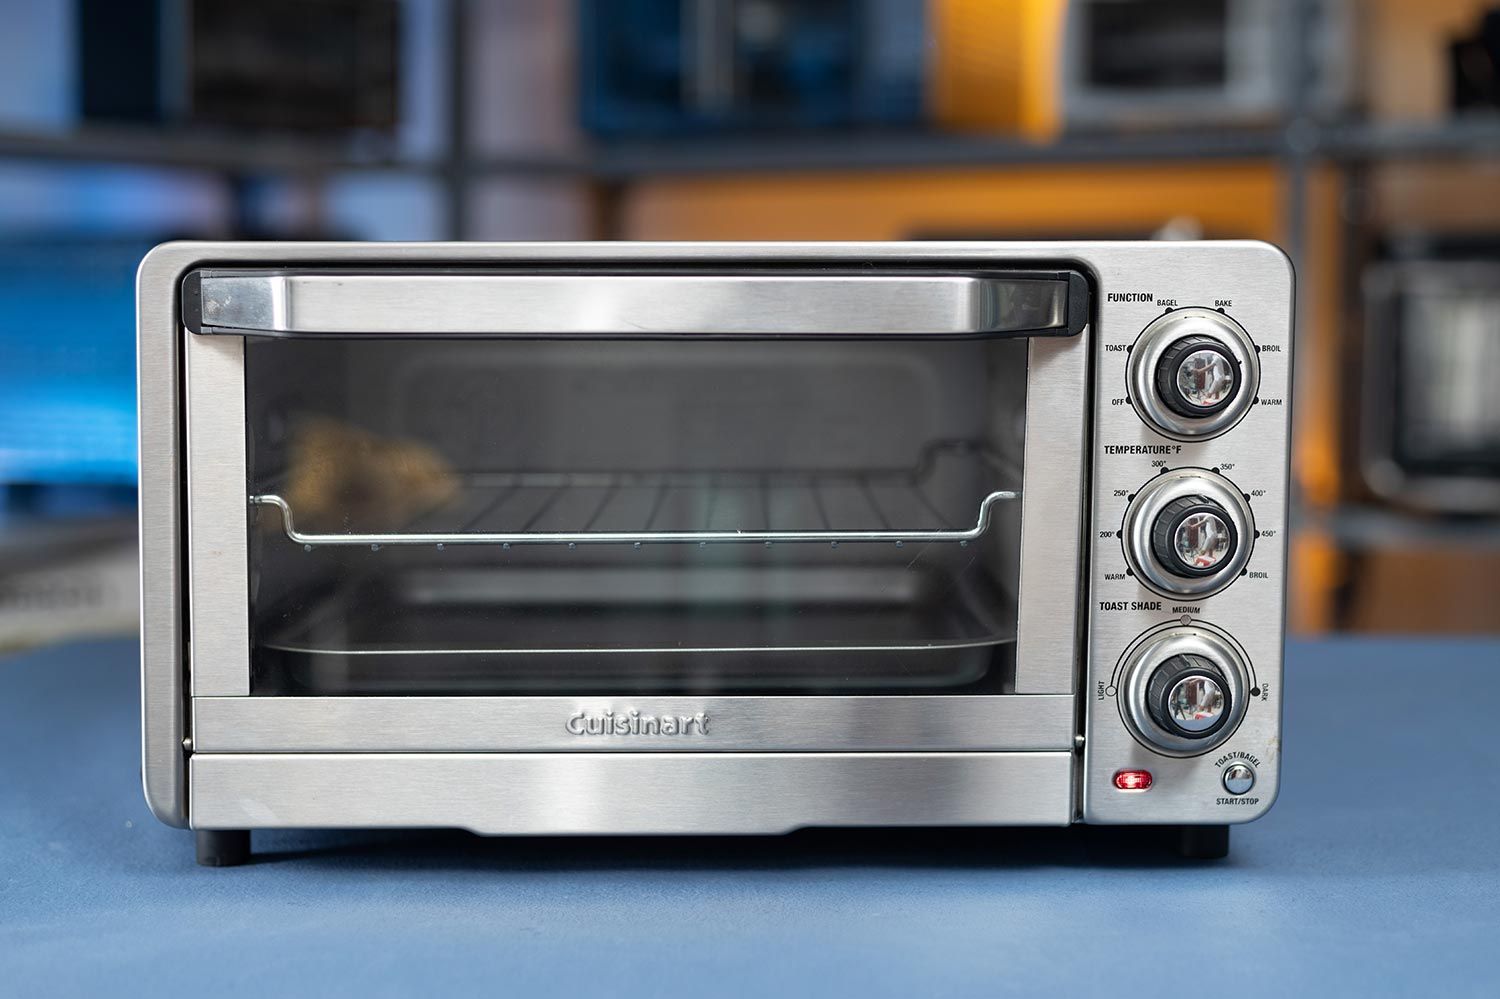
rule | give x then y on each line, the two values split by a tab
619	484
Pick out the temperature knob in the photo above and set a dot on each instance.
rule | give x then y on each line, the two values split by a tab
1188	532
1193	536
1193	373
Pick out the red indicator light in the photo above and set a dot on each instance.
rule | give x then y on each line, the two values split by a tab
1133	780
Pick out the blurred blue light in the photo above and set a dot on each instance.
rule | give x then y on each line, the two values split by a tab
67	360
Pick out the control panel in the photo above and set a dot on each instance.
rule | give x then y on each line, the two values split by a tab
1187	574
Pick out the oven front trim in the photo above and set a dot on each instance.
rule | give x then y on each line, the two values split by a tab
632	724
629	794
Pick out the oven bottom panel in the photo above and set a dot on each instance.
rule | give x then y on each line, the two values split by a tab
667	793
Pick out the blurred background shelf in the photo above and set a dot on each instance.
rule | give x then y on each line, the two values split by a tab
232	153
228	152
865	152
1367	528
1478	135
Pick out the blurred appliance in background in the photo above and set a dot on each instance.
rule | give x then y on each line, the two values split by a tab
994	66
1475	64
1430	399
653	67
271	64
1183	62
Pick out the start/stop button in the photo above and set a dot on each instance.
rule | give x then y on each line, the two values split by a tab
1239	778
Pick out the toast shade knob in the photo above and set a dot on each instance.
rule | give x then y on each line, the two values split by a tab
1188	696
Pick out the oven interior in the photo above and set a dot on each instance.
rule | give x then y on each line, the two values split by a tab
487	517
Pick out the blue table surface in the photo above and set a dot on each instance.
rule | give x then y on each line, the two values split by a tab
1378	871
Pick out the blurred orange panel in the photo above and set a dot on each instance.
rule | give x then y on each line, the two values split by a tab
1226	199
1317	446
994	66
1422	591
1316	570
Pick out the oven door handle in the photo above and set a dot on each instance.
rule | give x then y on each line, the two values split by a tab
292	304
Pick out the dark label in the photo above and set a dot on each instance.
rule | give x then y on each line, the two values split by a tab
1130	296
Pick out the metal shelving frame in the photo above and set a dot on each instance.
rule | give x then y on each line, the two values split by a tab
1296	145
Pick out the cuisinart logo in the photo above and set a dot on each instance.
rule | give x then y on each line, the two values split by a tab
632	722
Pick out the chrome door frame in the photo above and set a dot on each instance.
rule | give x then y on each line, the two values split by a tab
213	709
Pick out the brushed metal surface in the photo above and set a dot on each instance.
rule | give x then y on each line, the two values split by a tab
1252	282
643	793
218	567
531	724
1052	516
634	306
163	721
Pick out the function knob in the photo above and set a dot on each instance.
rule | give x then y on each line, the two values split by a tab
1193	373
1188	696
1197	376
1193	536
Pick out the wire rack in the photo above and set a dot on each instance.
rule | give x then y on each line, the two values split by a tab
690	508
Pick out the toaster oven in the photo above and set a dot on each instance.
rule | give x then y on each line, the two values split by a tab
600	538
1179	63
1429	413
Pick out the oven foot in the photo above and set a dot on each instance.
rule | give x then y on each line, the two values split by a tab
223	847
1203	842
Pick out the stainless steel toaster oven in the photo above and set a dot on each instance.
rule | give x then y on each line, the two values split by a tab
587	538
1179	63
